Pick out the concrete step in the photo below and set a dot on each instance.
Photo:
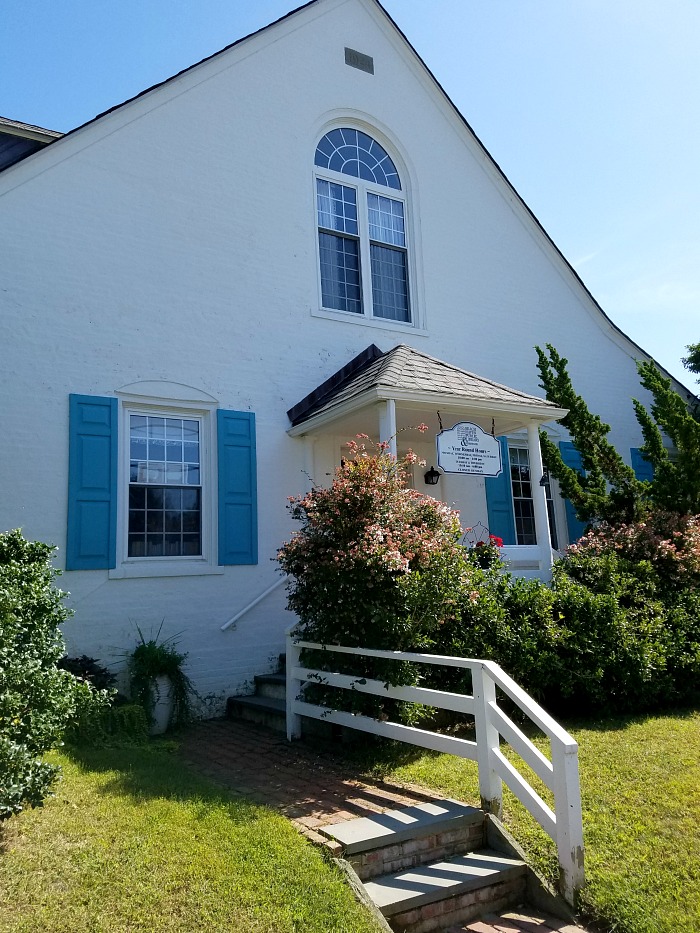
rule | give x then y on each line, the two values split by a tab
445	893
265	711
401	839
271	685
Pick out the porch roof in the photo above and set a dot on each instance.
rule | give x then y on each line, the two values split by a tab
407	375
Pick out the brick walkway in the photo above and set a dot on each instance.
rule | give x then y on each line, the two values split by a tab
312	790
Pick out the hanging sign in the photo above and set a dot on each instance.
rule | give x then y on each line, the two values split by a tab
466	448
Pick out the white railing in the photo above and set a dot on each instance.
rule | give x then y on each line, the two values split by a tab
560	775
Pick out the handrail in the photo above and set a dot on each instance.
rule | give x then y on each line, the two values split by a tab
258	599
560	775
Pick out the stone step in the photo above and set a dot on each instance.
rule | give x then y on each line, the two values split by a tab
435	896
271	685
400	839
265	711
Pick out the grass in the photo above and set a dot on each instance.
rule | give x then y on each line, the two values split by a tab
640	786
135	842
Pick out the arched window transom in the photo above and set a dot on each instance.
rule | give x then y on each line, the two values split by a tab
353	152
362	231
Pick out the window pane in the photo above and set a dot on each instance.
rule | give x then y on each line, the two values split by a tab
164	522
353	152
160	448
337	207
386	220
340	273
523	505
389	283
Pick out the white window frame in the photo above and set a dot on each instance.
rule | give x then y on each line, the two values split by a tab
206	563
363	188
558	510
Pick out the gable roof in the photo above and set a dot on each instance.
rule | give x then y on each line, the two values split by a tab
407	373
603	317
19	140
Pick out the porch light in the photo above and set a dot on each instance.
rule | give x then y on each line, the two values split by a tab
432	477
543	481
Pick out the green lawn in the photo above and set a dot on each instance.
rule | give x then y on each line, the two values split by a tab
640	784
134	842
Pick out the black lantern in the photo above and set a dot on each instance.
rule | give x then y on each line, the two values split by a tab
432	477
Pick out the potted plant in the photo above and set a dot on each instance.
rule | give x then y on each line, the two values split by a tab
158	682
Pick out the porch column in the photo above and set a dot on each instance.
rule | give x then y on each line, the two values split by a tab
308	463
539	497
387	424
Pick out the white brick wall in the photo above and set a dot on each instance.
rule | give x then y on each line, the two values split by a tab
175	240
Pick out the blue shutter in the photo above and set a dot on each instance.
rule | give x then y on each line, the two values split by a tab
238	518
499	500
92	483
572	458
642	468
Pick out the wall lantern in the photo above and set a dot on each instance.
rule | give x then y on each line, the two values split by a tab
432	477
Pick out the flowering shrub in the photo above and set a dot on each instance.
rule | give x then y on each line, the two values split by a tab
668	541
648	572
375	563
378	565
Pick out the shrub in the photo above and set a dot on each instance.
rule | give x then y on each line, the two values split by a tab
668	541
89	670
121	724
37	699
375	564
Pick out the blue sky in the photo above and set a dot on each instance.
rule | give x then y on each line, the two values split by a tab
590	107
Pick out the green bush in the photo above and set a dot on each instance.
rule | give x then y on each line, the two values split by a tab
376	565
37	699
121	724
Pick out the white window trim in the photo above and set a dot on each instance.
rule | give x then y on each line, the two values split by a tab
205	413
362	187
560	522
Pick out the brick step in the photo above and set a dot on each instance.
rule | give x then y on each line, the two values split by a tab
273	686
265	711
400	839
444	893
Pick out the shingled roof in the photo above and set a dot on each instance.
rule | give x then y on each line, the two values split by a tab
405	370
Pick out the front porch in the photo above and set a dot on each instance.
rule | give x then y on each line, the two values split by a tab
387	395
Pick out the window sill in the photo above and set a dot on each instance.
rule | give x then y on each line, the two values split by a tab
350	318
166	568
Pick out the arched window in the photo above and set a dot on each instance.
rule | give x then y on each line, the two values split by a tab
361	230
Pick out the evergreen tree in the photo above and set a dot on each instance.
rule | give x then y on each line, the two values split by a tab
692	360
608	489
676	483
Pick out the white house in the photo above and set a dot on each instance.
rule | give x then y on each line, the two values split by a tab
208	289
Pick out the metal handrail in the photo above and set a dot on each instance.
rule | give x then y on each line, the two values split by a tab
258	599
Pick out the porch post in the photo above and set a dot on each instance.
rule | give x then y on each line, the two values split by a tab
309	442
387	424
539	496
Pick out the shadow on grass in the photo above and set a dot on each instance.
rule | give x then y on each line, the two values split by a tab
622	721
155	770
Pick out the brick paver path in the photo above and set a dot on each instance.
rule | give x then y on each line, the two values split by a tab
312	789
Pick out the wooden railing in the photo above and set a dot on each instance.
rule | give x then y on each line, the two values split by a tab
560	774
